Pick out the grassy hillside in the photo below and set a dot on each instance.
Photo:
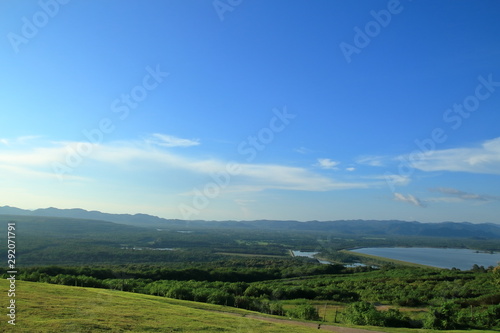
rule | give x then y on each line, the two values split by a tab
52	308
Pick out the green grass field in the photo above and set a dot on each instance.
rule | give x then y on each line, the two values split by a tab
53	308
42	307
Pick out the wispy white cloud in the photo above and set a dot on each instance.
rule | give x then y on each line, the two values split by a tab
164	140
28	173
33	156
376	161
303	150
411	199
19	140
391	179
483	159
326	163
461	195
350	169
293	178
39	161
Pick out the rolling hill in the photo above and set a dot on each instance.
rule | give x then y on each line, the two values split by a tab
48	308
51	308
346	227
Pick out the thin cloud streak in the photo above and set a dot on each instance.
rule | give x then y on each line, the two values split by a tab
375	161
19	140
409	199
171	141
142	155
461	195
484	159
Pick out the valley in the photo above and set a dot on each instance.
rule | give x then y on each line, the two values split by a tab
300	273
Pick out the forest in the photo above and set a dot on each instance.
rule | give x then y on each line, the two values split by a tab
254	270
453	299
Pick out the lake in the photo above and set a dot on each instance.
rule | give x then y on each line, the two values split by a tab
462	259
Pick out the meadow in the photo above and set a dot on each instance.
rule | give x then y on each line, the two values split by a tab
51	308
47	308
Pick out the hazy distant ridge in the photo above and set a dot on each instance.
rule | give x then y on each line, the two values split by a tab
354	227
137	219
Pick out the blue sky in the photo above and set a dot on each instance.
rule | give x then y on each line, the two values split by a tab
236	109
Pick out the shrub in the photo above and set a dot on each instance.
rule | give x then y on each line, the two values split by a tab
395	318
304	311
362	313
444	317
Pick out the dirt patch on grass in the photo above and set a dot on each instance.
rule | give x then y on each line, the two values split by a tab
327	328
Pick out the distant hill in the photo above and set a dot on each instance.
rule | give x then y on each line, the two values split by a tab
43	226
347	227
143	220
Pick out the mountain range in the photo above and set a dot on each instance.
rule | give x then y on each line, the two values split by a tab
347	227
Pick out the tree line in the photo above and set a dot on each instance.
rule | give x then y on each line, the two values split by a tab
454	298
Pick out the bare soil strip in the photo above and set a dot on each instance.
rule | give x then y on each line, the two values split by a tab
329	328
